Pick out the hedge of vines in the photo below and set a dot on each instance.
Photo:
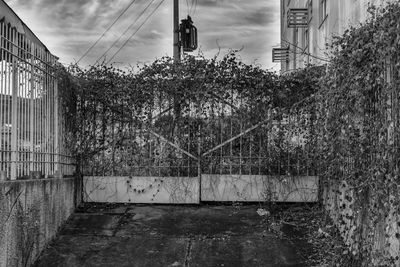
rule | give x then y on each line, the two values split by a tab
359	116
115	105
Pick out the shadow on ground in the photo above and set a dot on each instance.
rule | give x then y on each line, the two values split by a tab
138	235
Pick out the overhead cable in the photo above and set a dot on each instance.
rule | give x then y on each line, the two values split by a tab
304	52
105	32
127	29
134	33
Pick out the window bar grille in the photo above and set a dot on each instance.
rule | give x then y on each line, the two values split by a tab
280	54
297	18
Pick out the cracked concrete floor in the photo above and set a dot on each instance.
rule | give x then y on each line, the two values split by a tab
139	235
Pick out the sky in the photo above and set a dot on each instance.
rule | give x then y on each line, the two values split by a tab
69	27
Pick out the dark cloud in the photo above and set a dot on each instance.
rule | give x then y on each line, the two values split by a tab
69	27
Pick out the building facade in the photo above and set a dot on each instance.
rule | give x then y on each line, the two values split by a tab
309	26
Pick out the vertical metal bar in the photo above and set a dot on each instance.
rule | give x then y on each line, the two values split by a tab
14	115
2	103
268	152
188	139
39	112
221	123
9	101
45	92
149	143
240	148
21	89
24	112
288	138
240	140
27	107
32	106
51	118
199	160
160	152
43	115
251	140
35	109
56	130
45	119
47	131
20	110
231	129
260	150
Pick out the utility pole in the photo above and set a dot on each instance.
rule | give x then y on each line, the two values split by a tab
177	46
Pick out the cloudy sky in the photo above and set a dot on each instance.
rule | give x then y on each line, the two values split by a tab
69	27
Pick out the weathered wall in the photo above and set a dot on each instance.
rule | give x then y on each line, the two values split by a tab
31	212
352	217
185	190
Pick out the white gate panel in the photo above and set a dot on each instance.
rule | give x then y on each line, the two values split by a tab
261	188
157	190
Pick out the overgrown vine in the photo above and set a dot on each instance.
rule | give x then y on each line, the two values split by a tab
359	134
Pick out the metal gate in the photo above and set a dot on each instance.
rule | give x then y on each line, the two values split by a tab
226	145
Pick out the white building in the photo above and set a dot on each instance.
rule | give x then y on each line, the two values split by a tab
312	24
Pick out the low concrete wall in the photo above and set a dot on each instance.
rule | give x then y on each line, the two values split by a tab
185	190
31	212
351	216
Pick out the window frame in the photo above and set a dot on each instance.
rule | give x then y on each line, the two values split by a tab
310	10
323	12
306	39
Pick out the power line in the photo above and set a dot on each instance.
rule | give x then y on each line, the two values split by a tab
127	29
191	7
133	34
187	7
104	33
304	52
195	7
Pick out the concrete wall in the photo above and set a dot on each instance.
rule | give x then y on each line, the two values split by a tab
31	212
351	216
185	190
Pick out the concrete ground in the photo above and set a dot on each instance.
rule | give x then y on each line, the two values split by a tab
152	236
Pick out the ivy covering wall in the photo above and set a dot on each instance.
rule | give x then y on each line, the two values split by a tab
359	136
